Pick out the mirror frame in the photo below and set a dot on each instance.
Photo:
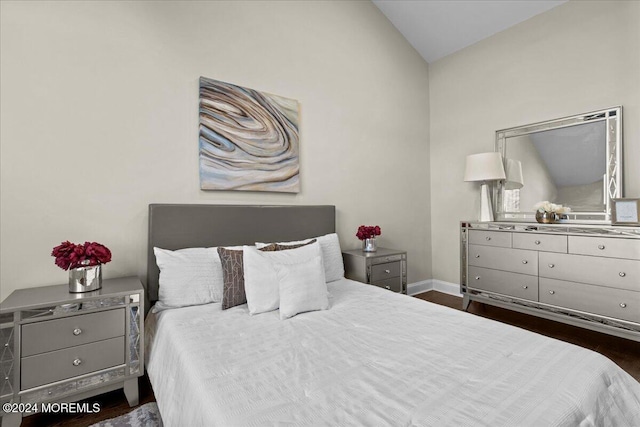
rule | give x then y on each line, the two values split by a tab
613	119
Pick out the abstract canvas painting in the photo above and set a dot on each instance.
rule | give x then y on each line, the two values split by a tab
248	139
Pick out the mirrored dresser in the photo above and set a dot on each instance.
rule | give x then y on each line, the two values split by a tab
584	275
63	347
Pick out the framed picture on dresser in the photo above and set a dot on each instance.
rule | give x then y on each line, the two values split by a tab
625	211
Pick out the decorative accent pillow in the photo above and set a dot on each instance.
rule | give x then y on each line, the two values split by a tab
302	287
283	247
260	279
233	278
232	261
189	276
331	255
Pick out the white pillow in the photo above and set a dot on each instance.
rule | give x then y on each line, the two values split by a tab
331	255
189	276
260	279
302	287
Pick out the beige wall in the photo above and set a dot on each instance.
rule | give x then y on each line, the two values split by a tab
579	57
99	119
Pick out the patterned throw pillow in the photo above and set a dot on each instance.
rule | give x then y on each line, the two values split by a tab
233	278
233	293
284	247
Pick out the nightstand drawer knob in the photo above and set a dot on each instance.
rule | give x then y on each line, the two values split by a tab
388	271
488	238
77	331
524	261
552	292
623	305
478	256
537	242
601	247
551	265
77	362
477	277
525	287
622	274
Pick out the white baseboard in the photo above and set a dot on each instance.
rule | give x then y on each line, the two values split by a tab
434	285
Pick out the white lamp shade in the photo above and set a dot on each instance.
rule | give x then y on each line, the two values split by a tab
484	167
514	180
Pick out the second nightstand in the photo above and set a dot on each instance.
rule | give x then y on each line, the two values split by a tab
63	347
386	268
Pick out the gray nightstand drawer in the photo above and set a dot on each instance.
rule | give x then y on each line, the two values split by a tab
52	335
384	271
59	365
393	284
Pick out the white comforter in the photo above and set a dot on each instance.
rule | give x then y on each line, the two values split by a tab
376	358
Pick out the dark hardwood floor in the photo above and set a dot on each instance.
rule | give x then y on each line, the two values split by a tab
112	404
624	352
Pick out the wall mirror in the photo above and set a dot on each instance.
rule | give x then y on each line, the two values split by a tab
573	161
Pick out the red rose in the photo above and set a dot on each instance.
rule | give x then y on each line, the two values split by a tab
69	255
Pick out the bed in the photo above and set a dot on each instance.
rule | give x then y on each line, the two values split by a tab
373	358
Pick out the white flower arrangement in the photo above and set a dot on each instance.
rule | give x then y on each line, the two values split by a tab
547	206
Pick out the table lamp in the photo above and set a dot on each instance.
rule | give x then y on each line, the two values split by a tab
484	167
514	180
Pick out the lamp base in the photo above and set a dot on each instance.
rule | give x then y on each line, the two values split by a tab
486	210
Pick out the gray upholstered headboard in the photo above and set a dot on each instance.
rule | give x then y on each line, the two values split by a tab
192	226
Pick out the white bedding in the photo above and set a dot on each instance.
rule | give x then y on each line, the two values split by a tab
377	358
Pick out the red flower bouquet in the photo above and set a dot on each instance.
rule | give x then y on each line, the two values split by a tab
69	255
368	232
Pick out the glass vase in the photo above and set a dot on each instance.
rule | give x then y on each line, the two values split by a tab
369	245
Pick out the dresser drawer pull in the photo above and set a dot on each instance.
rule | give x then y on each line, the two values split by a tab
525	287
601	247
524	261
622	274
388	271
551	265
552	292
537	242
77	362
477	277
388	287
77	331
623	305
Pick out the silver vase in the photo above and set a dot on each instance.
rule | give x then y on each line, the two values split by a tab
85	278
369	245
546	217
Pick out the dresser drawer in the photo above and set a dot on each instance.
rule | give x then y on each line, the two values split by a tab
514	260
52	335
59	365
386	270
617	303
615	273
605	247
392	283
540	242
490	238
503	282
